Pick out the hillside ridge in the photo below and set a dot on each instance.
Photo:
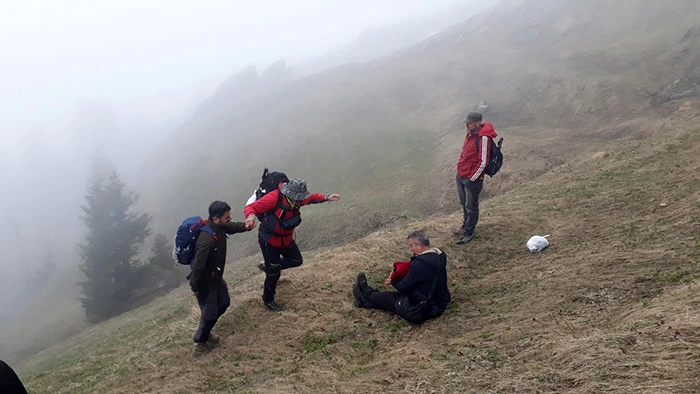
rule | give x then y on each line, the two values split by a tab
610	306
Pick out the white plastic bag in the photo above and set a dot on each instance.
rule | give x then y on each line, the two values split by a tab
537	243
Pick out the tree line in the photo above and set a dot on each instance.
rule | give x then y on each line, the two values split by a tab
116	280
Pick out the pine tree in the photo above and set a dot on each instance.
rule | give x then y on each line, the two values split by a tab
162	253
161	269
113	238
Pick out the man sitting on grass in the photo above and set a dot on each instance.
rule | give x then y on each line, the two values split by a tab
422	293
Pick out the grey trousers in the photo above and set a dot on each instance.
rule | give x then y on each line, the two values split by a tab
469	199
212	303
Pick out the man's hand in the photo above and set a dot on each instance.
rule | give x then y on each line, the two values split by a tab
387	282
334	197
250	223
194	293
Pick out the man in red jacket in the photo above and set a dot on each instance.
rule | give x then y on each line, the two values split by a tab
276	233
470	172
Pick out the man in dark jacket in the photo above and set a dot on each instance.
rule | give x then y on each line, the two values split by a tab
276	235
470	172
207	282
9	381
422	293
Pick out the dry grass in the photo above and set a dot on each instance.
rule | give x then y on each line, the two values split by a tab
611	306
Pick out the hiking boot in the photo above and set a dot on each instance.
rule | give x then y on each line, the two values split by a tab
360	300
273	306
199	350
361	280
213	338
261	267
459	232
465	239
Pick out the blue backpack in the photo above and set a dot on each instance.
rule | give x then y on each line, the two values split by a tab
186	239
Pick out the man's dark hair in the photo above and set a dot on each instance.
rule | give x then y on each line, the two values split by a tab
420	237
217	209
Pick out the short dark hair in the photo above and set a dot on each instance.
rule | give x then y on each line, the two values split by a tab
419	236
217	209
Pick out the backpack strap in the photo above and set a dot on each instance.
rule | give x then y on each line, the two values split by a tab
498	144
211	231
478	141
478	145
279	206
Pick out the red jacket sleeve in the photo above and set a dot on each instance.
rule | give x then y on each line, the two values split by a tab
266	204
315	198
483	152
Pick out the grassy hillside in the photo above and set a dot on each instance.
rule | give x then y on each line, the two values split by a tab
611	306
359	129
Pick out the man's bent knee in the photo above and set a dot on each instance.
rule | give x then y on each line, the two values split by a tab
296	263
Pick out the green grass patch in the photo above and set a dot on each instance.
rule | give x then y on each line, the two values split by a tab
313	343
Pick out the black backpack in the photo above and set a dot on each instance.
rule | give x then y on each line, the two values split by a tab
495	156
270	181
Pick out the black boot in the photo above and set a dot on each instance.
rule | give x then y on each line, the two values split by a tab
360	300
361	280
273	306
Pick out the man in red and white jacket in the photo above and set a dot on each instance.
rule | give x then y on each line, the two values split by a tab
280	210
470	172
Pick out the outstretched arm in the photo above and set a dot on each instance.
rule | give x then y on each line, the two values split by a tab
317	198
236	227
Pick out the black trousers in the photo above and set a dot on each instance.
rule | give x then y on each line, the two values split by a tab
276	260
383	300
469	199
212	304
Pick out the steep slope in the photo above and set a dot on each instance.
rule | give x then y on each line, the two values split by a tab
610	306
364	130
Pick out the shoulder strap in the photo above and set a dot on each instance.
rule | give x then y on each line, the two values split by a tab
478	141
209	230
280	205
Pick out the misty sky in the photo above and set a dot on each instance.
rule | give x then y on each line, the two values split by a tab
157	56
94	77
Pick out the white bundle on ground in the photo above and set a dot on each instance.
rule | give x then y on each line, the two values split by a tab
537	243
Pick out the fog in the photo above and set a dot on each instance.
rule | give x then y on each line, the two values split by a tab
80	79
153	57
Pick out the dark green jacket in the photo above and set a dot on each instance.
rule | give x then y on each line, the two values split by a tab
210	256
